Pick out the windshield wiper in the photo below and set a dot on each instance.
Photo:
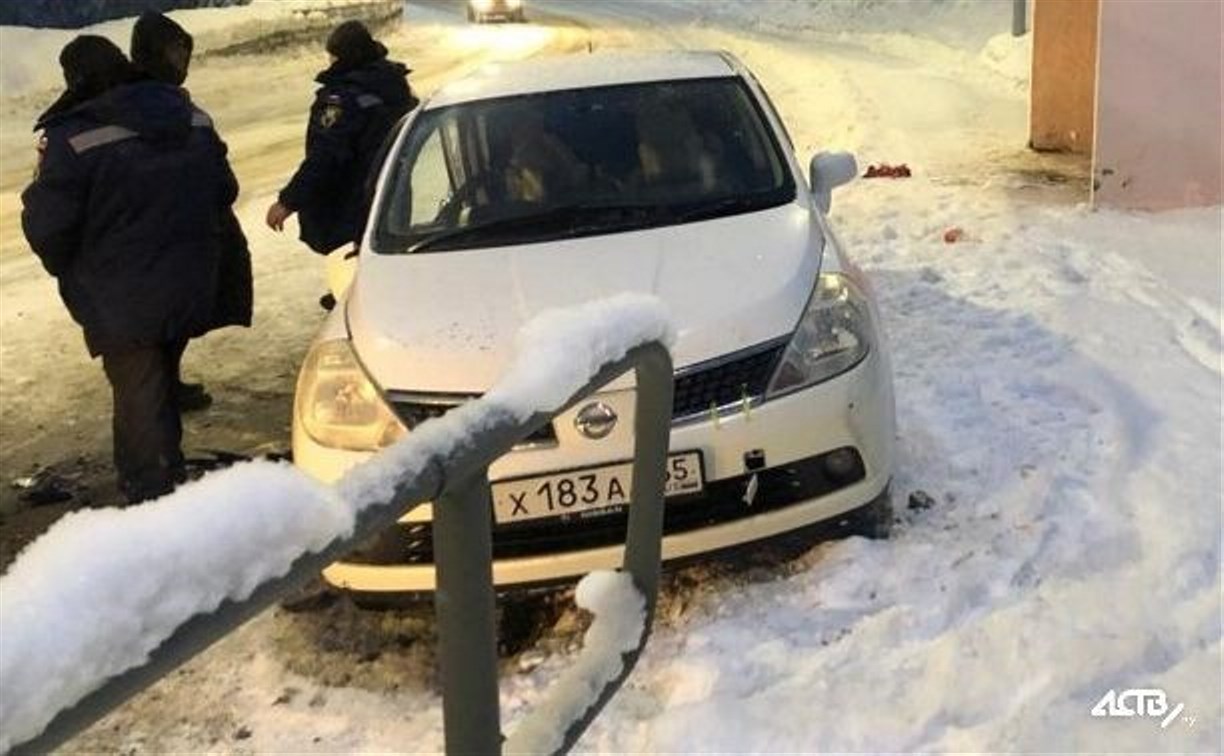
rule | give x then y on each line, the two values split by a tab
549	217
728	206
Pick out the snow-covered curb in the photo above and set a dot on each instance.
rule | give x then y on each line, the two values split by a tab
102	589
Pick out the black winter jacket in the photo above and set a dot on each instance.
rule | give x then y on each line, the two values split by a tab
235	293
353	113
130	212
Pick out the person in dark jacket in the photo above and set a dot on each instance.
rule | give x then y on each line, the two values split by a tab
126	213
362	97
161	51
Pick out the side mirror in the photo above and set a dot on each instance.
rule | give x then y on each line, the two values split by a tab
830	170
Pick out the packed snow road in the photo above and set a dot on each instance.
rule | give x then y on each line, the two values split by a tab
1058	392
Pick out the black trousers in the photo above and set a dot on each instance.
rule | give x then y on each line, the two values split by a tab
146	424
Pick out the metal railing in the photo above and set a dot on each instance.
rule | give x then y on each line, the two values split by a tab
464	598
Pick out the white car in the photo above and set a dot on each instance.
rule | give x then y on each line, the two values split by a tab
480	11
550	182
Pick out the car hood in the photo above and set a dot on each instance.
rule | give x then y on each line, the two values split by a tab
446	321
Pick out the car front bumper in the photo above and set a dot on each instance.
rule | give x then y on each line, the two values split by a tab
854	410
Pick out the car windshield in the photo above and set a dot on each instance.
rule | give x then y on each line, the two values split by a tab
580	162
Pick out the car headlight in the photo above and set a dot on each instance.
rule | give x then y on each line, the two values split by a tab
834	335
513	4
482	5
338	405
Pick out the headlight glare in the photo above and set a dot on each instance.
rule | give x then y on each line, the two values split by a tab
834	335
338	406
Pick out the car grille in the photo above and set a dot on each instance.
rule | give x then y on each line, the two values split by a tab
414	409
742	377
699	390
721	501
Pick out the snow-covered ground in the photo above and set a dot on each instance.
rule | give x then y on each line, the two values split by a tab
1058	376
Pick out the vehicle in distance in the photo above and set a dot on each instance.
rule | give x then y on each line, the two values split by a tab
480	11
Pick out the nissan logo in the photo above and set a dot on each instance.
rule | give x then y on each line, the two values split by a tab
595	420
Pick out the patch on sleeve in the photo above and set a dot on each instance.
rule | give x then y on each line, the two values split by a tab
330	113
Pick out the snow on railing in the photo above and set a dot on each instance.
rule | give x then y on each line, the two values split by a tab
104	587
620	622
95	605
557	353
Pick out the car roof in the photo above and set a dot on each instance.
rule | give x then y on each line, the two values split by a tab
581	70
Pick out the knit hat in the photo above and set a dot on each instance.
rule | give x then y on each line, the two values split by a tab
161	49
353	46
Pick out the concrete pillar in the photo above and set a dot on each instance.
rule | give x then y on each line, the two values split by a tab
1062	100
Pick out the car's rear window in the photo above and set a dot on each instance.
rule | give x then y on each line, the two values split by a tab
579	162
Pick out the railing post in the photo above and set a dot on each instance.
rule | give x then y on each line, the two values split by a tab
652	433
644	534
467	631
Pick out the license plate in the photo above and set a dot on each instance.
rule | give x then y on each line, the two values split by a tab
588	491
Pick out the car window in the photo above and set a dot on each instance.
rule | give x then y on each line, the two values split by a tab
429	180
596	160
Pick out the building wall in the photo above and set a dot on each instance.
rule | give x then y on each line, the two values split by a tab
1159	131
1062	100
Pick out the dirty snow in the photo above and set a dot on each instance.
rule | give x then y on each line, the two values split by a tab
1058	382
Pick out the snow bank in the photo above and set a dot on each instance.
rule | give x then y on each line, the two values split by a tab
960	23
1059	397
1010	57
103	588
620	619
967	37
